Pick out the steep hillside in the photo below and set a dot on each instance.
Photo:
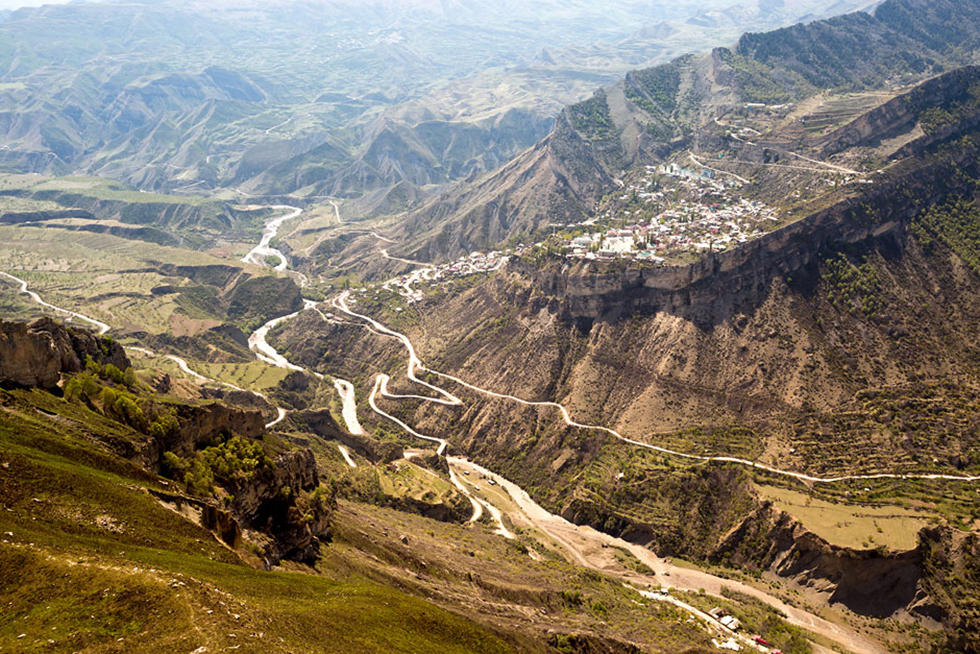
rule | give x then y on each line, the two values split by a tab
85	530
166	516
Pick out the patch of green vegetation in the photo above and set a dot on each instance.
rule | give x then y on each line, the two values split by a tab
592	118
116	395
655	89
760	618
953	577
254	301
852	287
232	460
254	375
758	82
757	618
409	480
682	507
935	119
733	440
954	223
403	486
927	426
14	204
199	302
62	607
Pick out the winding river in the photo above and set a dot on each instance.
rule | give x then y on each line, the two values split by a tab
258	254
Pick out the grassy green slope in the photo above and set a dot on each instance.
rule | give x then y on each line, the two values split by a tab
89	561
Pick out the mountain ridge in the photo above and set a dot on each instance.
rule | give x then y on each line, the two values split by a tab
676	101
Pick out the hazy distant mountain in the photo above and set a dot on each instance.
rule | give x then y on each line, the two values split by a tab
130	95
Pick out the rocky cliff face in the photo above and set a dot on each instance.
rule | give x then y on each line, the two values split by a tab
35	354
869	582
272	510
269	507
201	425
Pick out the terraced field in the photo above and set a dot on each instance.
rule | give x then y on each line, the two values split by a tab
405	479
97	274
255	375
858	527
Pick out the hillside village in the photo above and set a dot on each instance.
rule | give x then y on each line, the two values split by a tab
669	211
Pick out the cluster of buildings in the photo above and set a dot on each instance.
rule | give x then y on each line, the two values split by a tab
700	215
474	263
726	620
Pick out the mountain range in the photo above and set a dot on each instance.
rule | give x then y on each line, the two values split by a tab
427	326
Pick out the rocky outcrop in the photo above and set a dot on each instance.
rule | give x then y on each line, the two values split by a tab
273	510
270	506
295	471
201	425
869	582
35	354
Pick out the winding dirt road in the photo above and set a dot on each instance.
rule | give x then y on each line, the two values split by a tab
415	364
380	386
448	399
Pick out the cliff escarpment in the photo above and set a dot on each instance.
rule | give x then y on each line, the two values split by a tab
869	582
740	276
